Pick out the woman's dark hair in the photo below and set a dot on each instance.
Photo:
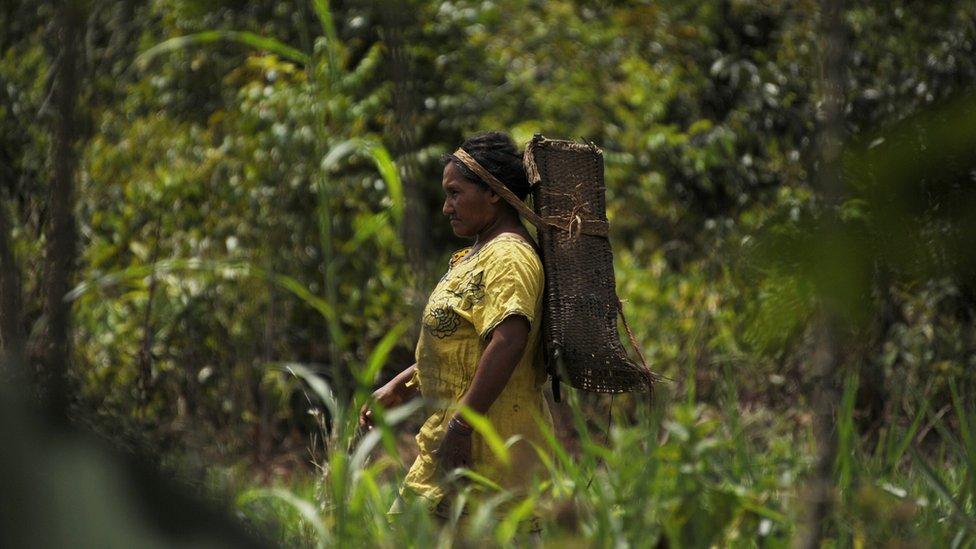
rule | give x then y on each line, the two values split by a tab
497	153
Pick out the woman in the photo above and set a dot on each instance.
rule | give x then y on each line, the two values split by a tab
480	334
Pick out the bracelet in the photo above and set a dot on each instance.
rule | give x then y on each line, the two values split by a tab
459	426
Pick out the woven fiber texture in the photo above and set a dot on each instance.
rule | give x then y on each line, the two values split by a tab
581	305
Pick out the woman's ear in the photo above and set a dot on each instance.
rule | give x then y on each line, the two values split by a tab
493	197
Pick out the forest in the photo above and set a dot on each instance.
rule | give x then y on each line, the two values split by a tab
220	222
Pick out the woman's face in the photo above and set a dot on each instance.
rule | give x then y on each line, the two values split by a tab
470	207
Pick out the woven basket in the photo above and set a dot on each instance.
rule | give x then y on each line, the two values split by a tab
580	311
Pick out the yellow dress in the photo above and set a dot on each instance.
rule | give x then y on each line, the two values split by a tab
476	294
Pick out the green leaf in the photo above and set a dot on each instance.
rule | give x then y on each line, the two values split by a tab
509	525
365	230
339	151
359	76
324	13
299	290
220	269
373	149
315	382
400	413
246	38
479	478
968	437
377	358
895	457
388	170
484	428
305	509
940	487
365	446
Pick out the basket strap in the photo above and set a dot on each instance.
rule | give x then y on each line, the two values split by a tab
556	394
528	160
573	224
555	367
650	376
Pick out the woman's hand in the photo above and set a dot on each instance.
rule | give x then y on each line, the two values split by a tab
455	448
394	393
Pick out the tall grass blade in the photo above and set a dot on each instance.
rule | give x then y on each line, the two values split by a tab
395	416
895	456
324	13
304	508
740	463
363	449
507	529
373	149
479	478
966	420
333	47
337	152
562	456
484	428
246	38
373	225
388	170
228	270
384	421
377	358
846	433
366	69
940	487
484	516
300	291
315	382
324	218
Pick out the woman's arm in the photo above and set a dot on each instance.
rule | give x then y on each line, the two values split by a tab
501	356
498	361
393	393
400	382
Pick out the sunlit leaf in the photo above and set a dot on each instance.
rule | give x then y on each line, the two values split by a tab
315	382
482	425
246	38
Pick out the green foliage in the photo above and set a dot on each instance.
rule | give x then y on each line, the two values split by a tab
244	282
674	473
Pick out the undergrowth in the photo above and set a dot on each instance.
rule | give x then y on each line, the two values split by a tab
688	475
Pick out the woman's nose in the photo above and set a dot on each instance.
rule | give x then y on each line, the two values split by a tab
446	209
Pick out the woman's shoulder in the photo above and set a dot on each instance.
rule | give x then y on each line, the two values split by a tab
511	247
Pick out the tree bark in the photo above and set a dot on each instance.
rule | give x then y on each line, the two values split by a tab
825	399
12	335
145	379
415	216
826	393
60	233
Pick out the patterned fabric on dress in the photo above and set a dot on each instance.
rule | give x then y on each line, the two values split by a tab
476	294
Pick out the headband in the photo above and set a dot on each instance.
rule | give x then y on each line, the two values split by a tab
593	227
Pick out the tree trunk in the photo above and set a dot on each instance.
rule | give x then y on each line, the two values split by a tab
826	394
60	232
415	216
11	315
